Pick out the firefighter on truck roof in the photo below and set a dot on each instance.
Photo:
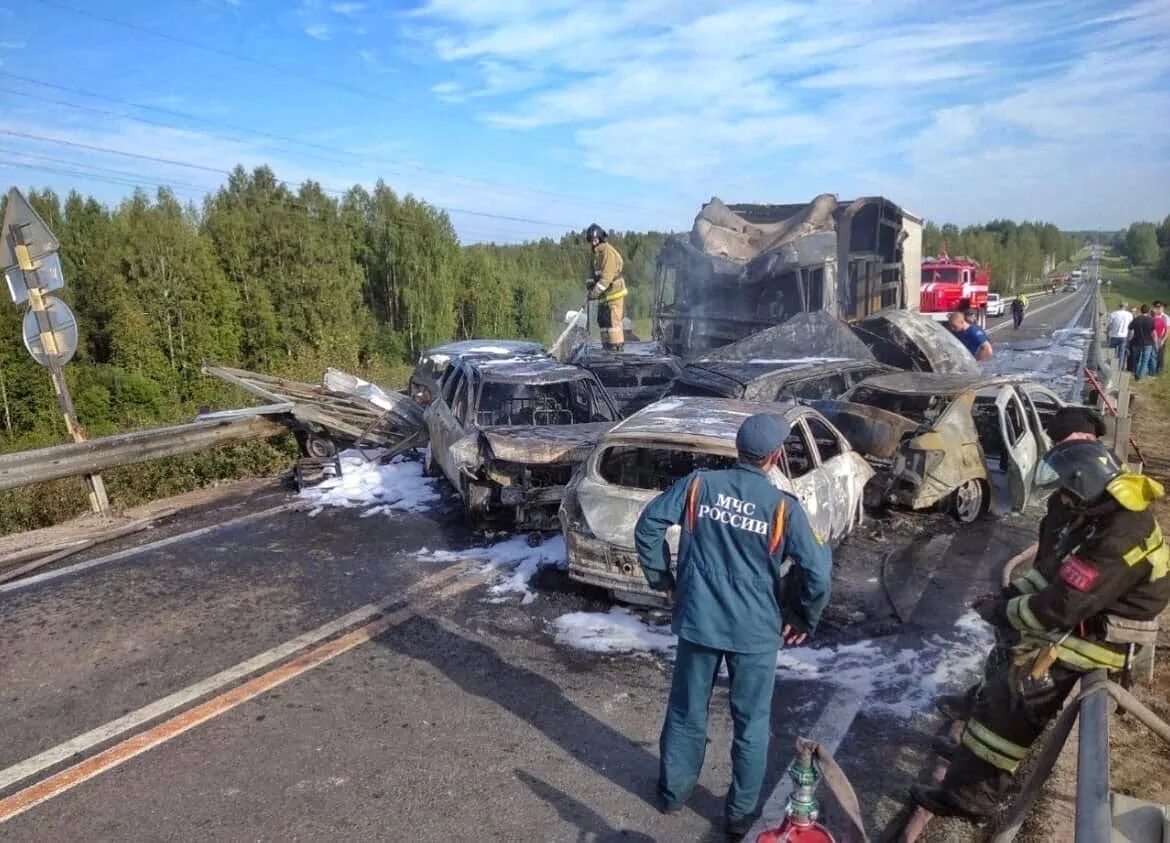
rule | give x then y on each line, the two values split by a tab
730	605
607	286
1100	595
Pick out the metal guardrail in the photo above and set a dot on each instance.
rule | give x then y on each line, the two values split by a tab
1092	707
25	468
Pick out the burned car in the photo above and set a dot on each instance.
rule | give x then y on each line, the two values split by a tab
774	380
508	434
635	377
434	362
952	440
664	442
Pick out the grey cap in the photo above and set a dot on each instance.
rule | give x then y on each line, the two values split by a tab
760	436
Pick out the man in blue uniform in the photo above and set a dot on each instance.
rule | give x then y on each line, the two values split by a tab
972	336
737	529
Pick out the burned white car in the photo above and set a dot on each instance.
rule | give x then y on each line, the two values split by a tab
653	448
509	433
635	377
433	363
951	440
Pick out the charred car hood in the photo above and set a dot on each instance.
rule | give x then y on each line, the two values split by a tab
872	431
915	342
545	444
806	335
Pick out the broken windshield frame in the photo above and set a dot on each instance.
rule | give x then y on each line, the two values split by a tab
655	467
559	403
919	407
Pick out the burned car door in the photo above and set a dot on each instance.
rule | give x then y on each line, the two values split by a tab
1021	450
810	485
445	427
1042	404
845	473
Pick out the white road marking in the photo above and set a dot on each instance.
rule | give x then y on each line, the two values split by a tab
1032	311
155	545
830	729
91	739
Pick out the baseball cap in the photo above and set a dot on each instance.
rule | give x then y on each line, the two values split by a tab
760	436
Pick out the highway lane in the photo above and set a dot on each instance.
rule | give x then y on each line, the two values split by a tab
463	716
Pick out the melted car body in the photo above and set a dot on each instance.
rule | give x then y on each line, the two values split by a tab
508	434
943	439
664	442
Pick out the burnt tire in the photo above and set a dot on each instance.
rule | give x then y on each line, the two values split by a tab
971	501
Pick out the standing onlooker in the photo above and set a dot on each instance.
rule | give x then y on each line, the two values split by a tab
1161	327
1118	329
1142	329
970	335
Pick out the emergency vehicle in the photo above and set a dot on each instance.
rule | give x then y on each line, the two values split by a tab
950	284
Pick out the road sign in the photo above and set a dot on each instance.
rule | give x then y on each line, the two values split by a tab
37	237
49	277
62	339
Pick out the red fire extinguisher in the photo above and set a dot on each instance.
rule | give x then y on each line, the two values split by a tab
800	814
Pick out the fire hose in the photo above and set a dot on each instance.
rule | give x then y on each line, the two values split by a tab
812	764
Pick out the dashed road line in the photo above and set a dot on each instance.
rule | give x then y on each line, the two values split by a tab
131	747
1030	312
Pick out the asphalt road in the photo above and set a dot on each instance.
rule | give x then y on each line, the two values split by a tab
394	698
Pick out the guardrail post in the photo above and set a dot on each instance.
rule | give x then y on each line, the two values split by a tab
1094	822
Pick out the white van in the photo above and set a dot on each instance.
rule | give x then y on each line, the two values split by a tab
994	304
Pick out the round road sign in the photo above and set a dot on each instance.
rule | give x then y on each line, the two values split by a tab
63	329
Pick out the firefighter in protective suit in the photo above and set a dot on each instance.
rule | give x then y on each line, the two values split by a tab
607	287
1102	598
737	529
1068	424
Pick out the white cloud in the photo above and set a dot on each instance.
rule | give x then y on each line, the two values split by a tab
319	31
349	10
954	108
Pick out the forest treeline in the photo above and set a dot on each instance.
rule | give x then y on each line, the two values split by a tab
1147	245
1015	253
289	281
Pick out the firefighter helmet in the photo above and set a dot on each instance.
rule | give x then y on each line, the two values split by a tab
595	230
1082	469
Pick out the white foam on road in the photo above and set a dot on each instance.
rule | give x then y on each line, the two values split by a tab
900	682
514	560
397	486
616	631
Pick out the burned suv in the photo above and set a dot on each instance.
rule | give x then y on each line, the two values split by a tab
638	375
666	441
433	363
509	433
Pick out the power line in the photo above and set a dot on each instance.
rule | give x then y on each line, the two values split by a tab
123	178
335	191
393	166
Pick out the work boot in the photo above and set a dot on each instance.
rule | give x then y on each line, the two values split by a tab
736	829
665	807
946	803
943	746
958	706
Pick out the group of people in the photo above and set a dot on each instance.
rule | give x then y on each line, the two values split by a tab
1137	337
1097	584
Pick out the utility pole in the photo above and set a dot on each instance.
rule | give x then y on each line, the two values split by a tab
28	254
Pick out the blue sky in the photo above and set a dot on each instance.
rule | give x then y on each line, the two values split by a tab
524	118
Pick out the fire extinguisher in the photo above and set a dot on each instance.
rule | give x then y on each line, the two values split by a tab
800	814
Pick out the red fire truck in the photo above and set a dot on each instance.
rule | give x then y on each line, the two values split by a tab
950	284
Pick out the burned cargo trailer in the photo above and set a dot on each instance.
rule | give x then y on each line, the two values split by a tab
743	268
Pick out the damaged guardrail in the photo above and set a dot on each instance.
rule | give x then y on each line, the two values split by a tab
25	468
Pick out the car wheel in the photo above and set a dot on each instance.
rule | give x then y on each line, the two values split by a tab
321	447
970	501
